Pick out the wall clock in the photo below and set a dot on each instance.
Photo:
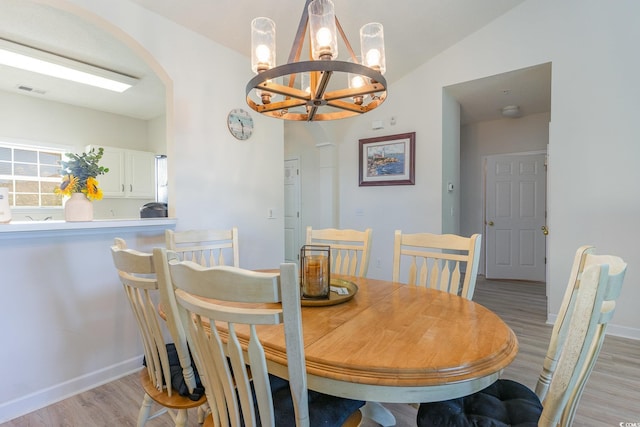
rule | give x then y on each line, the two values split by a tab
240	124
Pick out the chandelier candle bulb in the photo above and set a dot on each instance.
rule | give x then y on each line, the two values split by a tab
263	53
322	23
323	40
373	58
372	46
305	82
263	44
356	81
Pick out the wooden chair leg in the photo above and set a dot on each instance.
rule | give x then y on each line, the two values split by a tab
181	418
203	411
145	415
354	420
378	413
145	410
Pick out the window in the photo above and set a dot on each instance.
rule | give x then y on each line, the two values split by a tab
31	174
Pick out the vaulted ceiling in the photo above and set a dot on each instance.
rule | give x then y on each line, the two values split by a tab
415	31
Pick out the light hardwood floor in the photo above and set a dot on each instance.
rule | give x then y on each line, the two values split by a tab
611	397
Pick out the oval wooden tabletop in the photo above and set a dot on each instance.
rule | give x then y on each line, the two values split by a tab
391	334
396	343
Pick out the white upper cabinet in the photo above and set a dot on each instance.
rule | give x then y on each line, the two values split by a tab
140	178
112	183
131	173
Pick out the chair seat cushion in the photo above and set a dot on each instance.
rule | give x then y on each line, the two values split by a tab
177	379
324	409
504	403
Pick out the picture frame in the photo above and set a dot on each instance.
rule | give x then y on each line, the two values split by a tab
387	160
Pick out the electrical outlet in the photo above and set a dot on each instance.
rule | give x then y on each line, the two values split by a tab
378	263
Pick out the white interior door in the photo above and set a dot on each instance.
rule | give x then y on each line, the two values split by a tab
291	210
515	188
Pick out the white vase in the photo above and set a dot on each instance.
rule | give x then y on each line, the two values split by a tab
78	208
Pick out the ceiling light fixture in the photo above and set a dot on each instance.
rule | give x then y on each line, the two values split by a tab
511	111
319	95
41	62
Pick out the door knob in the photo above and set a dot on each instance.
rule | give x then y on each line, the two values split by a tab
545	230
490	223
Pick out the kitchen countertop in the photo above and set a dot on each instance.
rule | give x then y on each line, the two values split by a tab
22	229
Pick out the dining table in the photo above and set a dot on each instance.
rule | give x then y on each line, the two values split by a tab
396	343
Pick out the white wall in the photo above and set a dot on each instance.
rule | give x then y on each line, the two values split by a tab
315	145
593	147
34	119
593	143
451	147
157	135
67	325
216	182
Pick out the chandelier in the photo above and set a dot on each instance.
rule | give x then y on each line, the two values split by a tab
322	87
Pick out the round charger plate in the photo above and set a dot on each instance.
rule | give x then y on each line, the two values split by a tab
334	297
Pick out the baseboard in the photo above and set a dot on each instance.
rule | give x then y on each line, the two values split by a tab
31	402
612	329
623	331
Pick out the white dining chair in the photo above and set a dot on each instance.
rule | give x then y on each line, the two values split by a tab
577	336
350	249
207	247
231	357
447	262
137	273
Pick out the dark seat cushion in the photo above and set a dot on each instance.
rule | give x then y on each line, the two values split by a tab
177	379
504	403
324	409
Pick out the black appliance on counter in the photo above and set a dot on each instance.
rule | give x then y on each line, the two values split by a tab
154	210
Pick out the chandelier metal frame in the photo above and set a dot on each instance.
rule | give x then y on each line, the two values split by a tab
321	103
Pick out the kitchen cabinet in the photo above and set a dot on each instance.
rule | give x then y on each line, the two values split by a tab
131	174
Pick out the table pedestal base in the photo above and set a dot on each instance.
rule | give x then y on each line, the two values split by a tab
378	413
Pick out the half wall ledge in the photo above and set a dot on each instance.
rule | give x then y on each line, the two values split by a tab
39	229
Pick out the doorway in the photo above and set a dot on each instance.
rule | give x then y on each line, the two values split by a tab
484	131
515	216
291	209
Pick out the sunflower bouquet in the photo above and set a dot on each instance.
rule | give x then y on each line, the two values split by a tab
79	174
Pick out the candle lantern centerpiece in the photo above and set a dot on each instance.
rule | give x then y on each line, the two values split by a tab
315	276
